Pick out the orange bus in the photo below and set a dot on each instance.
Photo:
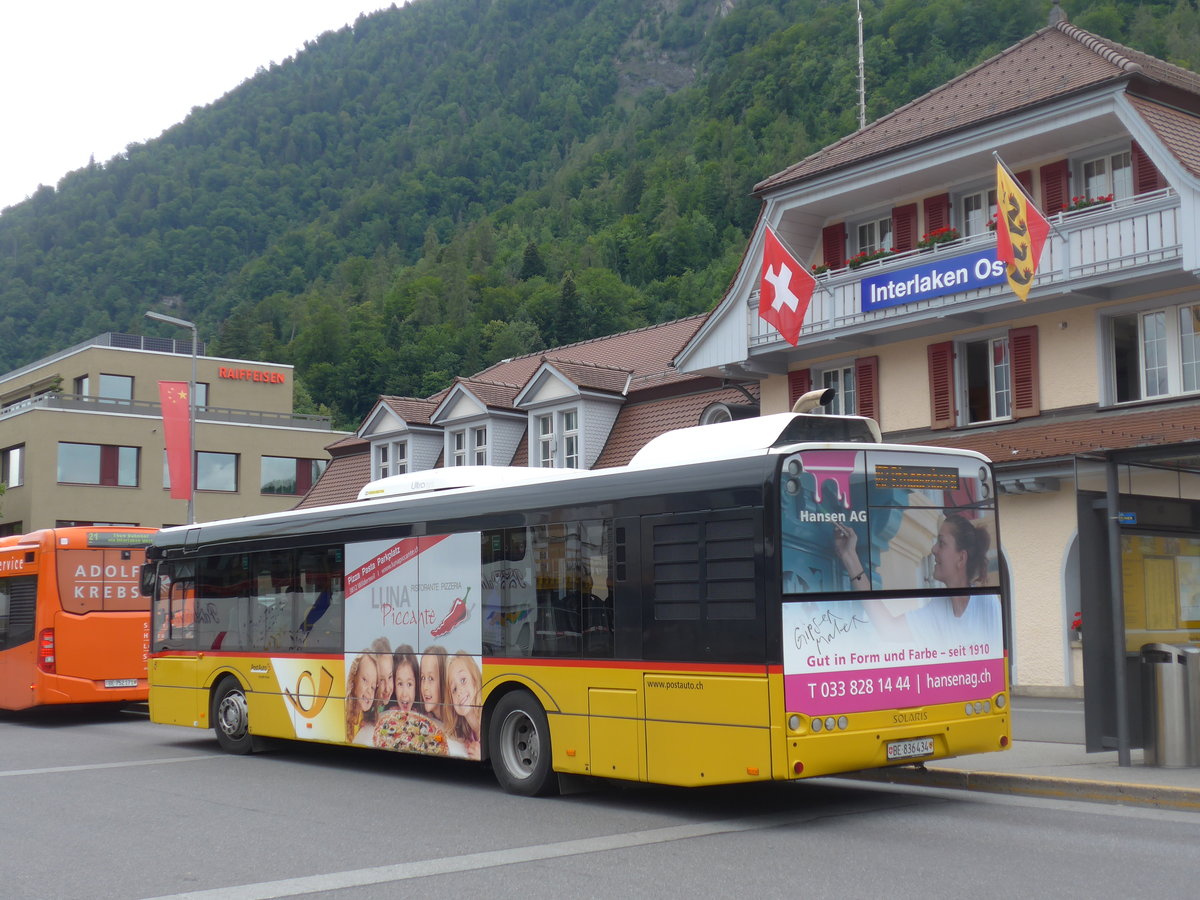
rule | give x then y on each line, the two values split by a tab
74	626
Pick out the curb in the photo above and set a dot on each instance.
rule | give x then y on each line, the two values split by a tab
1144	795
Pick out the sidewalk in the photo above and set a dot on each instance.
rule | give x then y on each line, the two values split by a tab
1048	759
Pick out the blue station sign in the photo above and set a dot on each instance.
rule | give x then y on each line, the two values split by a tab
952	275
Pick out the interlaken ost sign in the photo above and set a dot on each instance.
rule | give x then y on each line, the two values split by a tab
953	275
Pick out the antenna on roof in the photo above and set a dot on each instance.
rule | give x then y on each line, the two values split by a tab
862	86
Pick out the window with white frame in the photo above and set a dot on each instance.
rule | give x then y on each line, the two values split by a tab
391	459
479	442
845	399
1155	353
987	379
976	211
874	235
458	448
559	440
1108	175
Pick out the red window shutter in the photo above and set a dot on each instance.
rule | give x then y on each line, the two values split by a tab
1023	344
904	227
799	384
1055	190
866	383
1146	176
833	243
941	385
1025	179
937	212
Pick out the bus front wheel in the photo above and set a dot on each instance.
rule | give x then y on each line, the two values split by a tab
231	717
519	746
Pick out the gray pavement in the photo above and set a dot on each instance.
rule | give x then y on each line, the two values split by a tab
1048	759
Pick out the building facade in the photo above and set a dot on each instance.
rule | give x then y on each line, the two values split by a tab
81	437
1086	396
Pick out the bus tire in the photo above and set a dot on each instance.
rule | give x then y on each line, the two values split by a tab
519	746
231	717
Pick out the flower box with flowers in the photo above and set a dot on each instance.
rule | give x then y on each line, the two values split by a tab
943	235
1083	202
869	256
819	268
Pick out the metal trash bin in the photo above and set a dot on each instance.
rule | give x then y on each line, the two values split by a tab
1171	705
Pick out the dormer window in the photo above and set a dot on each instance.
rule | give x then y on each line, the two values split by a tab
391	459
479	441
558	439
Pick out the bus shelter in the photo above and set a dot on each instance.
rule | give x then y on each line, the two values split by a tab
1139	577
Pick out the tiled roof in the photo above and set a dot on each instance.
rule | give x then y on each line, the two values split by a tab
494	394
644	351
342	479
612	379
1052	63
1179	130
412	410
637	422
1122	430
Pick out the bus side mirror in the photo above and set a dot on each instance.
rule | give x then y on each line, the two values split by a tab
148	576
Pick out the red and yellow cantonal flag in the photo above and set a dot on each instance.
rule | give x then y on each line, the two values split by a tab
1021	232
177	436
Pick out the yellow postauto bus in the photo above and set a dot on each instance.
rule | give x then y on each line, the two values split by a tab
772	598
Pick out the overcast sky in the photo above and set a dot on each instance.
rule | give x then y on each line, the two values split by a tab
82	78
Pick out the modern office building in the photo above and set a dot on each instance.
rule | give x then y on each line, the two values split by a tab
1087	395
81	437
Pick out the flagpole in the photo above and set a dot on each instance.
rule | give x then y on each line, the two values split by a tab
788	247
1028	199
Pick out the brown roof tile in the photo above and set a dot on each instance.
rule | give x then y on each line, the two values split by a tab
612	379
342	479
1049	64
1121	430
412	410
1179	130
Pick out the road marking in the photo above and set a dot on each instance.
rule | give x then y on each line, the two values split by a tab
54	770
312	884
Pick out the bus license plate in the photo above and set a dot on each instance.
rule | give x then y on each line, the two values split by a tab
120	682
910	748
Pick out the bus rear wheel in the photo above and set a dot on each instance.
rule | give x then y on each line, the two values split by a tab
231	717
519	746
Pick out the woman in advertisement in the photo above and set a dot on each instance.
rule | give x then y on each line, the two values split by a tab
960	559
464	713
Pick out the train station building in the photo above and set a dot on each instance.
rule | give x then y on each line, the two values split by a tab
1086	394
81	437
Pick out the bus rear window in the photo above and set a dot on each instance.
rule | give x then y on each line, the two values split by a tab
101	580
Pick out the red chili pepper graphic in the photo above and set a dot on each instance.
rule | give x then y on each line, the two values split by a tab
454	618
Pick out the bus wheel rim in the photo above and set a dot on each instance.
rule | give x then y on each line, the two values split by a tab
232	716
520	744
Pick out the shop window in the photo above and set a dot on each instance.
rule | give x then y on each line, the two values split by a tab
1154	353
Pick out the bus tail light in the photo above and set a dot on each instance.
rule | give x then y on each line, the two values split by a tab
45	656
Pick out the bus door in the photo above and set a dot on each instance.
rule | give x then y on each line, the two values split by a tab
174	698
18	650
707	701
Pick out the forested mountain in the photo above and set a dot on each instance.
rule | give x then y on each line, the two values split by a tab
453	182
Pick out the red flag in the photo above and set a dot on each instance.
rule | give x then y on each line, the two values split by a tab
1021	232
177	436
785	290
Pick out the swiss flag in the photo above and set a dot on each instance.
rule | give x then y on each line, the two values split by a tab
177	436
786	289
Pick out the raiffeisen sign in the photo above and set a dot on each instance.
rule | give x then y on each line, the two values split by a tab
952	275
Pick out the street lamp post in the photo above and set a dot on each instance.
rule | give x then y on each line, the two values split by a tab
183	323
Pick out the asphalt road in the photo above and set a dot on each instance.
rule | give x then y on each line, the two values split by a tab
108	805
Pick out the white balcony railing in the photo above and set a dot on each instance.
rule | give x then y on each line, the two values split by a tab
1109	243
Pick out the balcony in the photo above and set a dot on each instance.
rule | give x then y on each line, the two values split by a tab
79	403
1107	244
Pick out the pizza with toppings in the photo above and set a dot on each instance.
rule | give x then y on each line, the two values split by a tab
410	732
